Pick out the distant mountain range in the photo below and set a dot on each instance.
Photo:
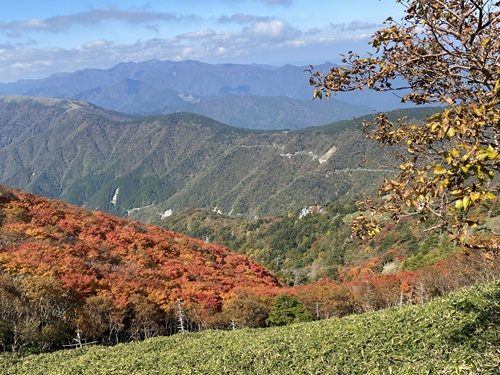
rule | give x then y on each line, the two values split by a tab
149	166
249	96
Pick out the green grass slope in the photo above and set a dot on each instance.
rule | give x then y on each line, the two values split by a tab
459	334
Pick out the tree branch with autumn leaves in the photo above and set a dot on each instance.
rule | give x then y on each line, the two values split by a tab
446	52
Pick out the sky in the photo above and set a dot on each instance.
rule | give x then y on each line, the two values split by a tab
42	37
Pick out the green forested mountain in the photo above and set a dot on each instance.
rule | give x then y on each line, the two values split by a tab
215	179
316	241
270	112
146	166
301	246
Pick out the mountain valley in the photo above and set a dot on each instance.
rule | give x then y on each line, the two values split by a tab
148	165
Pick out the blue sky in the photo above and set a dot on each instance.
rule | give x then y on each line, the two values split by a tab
41	37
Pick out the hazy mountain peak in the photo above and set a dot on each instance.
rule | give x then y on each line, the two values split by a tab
154	87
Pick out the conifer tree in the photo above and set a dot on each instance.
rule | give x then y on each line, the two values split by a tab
287	310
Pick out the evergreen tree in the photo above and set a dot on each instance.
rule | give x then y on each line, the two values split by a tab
287	310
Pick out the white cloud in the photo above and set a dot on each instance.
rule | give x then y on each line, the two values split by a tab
96	44
91	17
355	26
272	29
198	35
296	43
325	40
167	36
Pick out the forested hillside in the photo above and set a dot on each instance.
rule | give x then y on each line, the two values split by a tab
70	276
65	270
403	281
146	166
316	241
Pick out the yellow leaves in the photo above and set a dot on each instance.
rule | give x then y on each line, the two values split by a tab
478	170
365	227
445	182
478	112
472	224
453	155
490	195
448	101
394	183
434	125
389	185
4	259
475	196
485	42
489	153
451	133
496	90
438	170
462	203
38	233
421	179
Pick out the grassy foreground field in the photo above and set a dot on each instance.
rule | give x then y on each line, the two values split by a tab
459	334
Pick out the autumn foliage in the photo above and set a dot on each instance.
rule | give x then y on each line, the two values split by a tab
69	276
110	278
446	53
